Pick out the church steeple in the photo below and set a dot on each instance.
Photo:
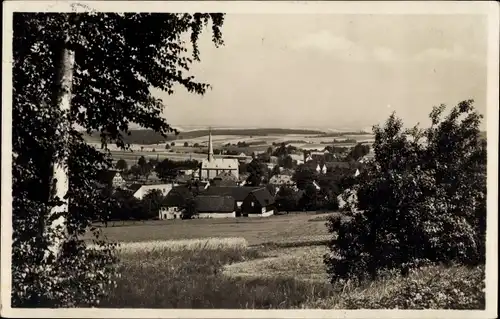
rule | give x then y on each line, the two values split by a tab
210	147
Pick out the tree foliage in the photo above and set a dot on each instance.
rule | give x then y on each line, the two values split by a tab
357	152
121	164
118	57
422	200
257	172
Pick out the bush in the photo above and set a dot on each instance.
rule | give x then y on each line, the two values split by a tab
417	203
438	287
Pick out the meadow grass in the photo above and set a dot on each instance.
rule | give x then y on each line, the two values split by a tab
434	287
194	278
264	263
229	274
184	245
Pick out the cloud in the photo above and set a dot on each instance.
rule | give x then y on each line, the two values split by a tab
457	53
344	48
327	42
385	54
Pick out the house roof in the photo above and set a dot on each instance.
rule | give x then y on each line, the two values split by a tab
177	196
135	187
263	196
214	203
226	176
244	176
223	183
287	171
281	179
239	193
183	179
338	165
220	163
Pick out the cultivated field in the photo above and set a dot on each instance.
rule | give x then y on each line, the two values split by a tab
260	144
283	229
273	263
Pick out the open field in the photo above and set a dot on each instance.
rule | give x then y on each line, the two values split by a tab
256	231
264	263
258	143
236	276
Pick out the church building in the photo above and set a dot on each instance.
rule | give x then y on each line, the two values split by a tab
212	167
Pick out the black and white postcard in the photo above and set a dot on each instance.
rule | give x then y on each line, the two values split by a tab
249	159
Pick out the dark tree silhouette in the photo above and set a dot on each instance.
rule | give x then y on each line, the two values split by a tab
112	59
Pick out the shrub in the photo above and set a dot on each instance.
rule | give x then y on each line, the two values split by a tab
417	203
437	287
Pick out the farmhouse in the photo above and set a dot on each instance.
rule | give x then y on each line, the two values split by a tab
239	193
177	196
258	203
297	158
212	206
170	213
111	178
142	190
211	167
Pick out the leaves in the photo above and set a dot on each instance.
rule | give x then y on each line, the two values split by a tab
421	201
118	58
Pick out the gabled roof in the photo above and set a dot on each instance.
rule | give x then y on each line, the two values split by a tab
239	193
338	165
226	176
214	203
135	187
263	196
177	196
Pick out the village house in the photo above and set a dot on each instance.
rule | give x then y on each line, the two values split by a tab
273	159
214	206
258	203
211	167
298	159
277	181
239	193
139	190
172	212
111	178
270	166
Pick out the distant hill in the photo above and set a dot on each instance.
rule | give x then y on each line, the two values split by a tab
147	137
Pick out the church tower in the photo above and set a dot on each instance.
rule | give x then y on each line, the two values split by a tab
210	147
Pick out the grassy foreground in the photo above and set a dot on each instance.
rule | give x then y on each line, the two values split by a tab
226	273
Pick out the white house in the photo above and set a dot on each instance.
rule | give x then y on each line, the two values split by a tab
213	206
170	213
112	178
144	189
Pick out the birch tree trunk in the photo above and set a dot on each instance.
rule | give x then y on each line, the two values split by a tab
60	174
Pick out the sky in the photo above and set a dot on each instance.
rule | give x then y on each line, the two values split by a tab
334	71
